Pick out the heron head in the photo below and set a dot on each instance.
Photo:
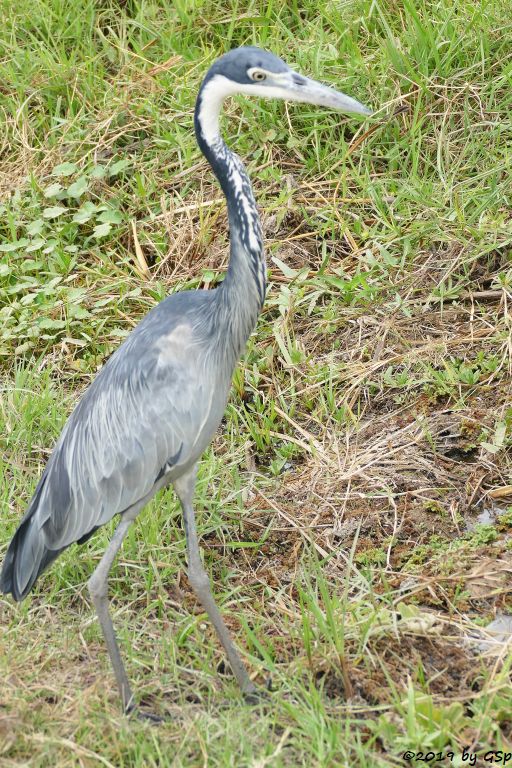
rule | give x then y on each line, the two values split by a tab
253	71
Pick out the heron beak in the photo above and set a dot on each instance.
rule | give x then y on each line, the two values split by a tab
310	92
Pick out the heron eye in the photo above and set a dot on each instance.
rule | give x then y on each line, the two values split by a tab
257	74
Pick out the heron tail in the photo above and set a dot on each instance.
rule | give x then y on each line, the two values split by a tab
27	556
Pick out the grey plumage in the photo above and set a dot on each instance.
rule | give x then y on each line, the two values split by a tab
152	410
143	419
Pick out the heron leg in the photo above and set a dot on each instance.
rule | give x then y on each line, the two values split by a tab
201	583
98	588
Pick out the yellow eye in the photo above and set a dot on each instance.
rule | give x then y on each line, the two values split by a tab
257	74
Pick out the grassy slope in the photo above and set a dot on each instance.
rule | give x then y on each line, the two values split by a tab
368	426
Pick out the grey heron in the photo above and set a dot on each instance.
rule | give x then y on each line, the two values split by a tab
151	411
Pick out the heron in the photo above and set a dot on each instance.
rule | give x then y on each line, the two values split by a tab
153	408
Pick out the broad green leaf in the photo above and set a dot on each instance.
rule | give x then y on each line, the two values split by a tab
53	190
110	216
23	347
98	172
499	435
101	230
104	302
64	169
285	269
48	323
54	212
498	438
74	294
76	311
35	245
85	212
29	265
9	247
78	187
28	299
35	227
119	166
23	286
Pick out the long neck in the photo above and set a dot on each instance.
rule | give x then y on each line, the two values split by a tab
243	290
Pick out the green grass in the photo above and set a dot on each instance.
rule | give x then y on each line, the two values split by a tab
369	423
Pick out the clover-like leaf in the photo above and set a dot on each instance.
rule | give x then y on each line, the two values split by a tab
101	230
14	246
48	323
119	166
35	245
50	246
85	213
54	211
78	188
35	227
64	169
98	172
53	190
110	216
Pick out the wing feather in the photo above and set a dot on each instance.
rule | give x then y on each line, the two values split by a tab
146	405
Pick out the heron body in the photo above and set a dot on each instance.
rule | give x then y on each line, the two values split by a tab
148	416
144	421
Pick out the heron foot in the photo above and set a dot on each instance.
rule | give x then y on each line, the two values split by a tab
255	696
141	714
150	717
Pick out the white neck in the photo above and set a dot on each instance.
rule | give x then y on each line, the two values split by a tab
245	279
213	95
217	90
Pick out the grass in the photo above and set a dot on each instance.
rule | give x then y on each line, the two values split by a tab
369	425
